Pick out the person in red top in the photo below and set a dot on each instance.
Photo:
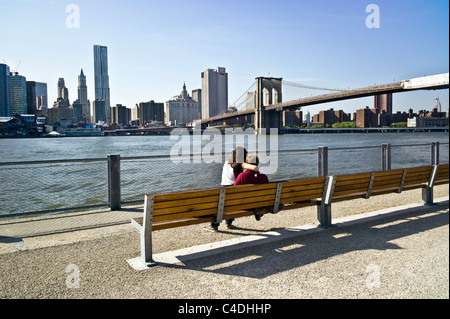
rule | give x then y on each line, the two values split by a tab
252	177
249	176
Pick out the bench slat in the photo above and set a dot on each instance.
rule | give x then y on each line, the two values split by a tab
185	194
186	202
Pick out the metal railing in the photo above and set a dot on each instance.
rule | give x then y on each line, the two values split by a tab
37	187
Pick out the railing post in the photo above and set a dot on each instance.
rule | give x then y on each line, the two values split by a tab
322	161
435	153
114	182
386	158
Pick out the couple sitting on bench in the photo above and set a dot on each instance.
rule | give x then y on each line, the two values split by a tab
233	174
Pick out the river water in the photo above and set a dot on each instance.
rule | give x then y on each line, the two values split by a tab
43	187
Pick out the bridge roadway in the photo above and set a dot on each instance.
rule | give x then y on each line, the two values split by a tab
433	82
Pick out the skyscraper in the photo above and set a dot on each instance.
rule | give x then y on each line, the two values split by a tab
101	78
63	92
82	97
5	100
18	93
214	92
41	98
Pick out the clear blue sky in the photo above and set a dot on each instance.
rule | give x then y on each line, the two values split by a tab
154	46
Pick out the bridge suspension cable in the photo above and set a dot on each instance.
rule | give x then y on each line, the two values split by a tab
289	83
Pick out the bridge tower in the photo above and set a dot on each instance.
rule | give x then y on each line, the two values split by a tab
268	91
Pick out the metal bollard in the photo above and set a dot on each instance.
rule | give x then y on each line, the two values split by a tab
322	161
114	182
386	158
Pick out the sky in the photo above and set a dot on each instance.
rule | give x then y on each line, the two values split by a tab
156	46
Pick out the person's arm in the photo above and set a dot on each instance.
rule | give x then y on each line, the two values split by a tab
250	167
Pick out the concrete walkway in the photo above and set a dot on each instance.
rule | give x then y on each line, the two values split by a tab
374	252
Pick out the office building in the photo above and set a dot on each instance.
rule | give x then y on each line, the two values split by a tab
101	78
330	117
120	115
18	94
181	110
77	112
31	97
214	92
41	98
367	117
99	111
63	92
150	111
383	102
83	98
5	100
294	118
197	97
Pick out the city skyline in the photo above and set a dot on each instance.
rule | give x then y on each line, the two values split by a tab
322	44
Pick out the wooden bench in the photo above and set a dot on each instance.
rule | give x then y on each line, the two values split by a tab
182	208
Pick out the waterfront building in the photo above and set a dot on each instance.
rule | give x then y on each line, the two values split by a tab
383	102
307	117
197	97
329	117
99	111
385	119
41	98
292	118
150	111
421	121
18	94
366	117
5	99
120	115
77	109
214	92
83	98
31	97
63	92
61	113
101	77
182	109
250	100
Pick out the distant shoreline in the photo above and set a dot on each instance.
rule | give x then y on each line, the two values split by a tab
289	130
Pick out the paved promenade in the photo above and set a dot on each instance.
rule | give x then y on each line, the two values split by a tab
375	251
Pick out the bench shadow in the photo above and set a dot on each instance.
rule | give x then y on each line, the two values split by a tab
261	261
9	240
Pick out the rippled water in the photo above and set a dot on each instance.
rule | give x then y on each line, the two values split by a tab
37	187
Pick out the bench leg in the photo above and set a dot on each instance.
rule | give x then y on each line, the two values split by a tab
324	215
146	249
427	195
146	232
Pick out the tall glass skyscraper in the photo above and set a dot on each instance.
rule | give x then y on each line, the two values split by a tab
18	91
101	78
5	100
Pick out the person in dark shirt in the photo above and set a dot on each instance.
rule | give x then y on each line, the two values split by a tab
253	177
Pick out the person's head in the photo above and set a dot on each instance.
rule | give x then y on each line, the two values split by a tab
253	159
239	155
